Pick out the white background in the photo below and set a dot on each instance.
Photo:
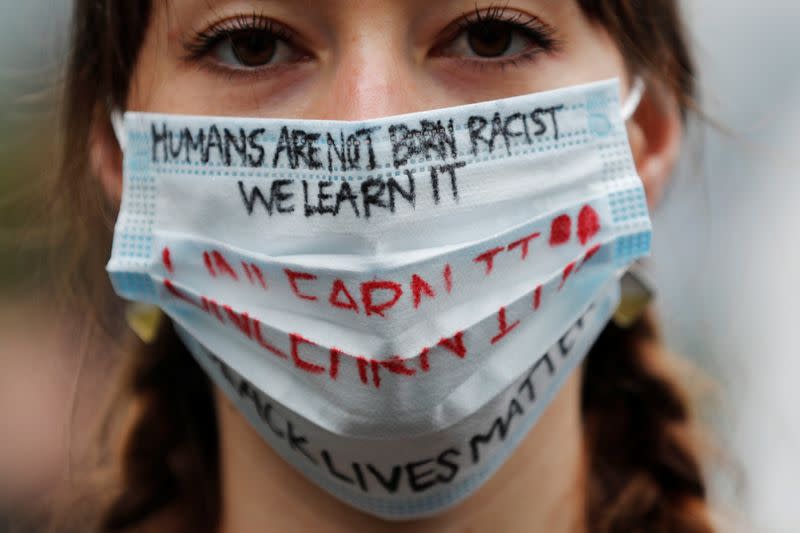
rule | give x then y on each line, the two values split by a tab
728	248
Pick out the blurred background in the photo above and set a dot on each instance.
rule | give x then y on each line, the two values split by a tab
726	262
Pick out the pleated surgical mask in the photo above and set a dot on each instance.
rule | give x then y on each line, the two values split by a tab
392	303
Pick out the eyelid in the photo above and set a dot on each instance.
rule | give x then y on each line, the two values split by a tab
530	25
202	42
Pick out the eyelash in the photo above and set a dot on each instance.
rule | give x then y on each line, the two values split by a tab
205	41
531	27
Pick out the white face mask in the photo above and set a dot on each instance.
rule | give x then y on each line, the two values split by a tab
392	303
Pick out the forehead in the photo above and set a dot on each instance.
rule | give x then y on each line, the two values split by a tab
347	10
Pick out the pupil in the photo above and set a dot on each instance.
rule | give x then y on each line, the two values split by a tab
489	39
253	48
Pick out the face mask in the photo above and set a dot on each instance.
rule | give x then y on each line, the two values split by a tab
391	303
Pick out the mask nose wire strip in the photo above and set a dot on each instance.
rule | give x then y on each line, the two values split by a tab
633	100
628	109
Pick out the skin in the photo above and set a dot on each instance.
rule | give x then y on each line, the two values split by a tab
368	59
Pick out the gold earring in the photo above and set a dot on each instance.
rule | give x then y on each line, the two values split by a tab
637	293
144	320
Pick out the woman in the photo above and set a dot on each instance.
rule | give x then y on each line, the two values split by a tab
611	451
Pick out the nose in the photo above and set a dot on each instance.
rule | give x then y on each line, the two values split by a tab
373	74
371	86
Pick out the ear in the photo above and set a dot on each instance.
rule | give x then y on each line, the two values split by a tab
656	133
105	156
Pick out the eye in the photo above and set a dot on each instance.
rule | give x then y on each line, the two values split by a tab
251	48
497	35
492	39
246	43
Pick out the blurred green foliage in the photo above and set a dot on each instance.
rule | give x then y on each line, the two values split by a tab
27	134
33	50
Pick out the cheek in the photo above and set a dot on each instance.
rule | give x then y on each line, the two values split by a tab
590	53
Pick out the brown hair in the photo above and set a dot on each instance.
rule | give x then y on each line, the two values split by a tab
644	473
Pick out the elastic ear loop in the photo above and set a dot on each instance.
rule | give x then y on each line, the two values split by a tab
631	103
118	126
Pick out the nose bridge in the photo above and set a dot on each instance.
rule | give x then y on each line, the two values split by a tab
373	74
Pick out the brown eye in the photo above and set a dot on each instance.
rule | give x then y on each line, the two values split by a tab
248	43
496	37
253	48
490	38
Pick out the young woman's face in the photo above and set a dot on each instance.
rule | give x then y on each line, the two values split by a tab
358	59
362	59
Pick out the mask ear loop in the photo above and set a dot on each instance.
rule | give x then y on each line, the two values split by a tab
117	124
634	98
